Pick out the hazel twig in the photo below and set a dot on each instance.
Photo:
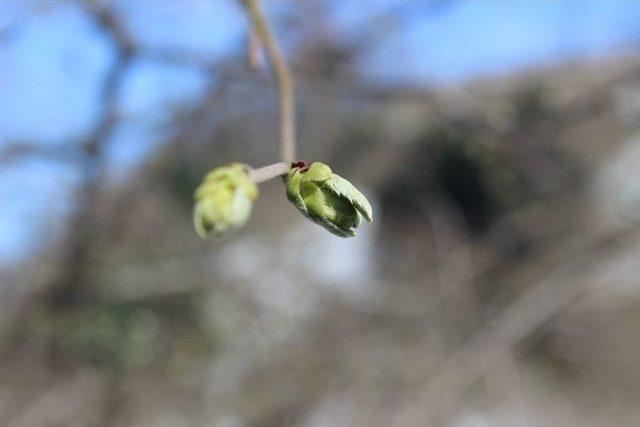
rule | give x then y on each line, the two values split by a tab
283	76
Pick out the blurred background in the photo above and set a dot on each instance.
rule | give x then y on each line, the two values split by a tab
499	285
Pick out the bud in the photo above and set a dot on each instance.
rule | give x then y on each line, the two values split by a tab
326	198
223	201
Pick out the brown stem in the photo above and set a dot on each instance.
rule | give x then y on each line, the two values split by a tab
268	172
253	50
283	77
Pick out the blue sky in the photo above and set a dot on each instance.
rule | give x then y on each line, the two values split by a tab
52	65
483	37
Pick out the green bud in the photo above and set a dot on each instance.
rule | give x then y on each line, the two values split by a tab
223	201
326	198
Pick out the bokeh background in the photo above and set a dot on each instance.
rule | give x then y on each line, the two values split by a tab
499	285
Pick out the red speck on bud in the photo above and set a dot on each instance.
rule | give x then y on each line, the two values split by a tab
302	165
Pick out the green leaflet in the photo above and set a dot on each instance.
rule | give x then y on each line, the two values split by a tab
223	201
292	183
327	199
344	188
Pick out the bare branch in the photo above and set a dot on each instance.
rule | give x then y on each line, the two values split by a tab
268	172
82	231
254	49
283	76
19	150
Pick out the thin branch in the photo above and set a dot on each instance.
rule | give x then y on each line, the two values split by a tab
282	75
268	172
83	224
18	150
254	50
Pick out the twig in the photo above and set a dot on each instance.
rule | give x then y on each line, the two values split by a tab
268	172
283	77
82	232
253	50
20	150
